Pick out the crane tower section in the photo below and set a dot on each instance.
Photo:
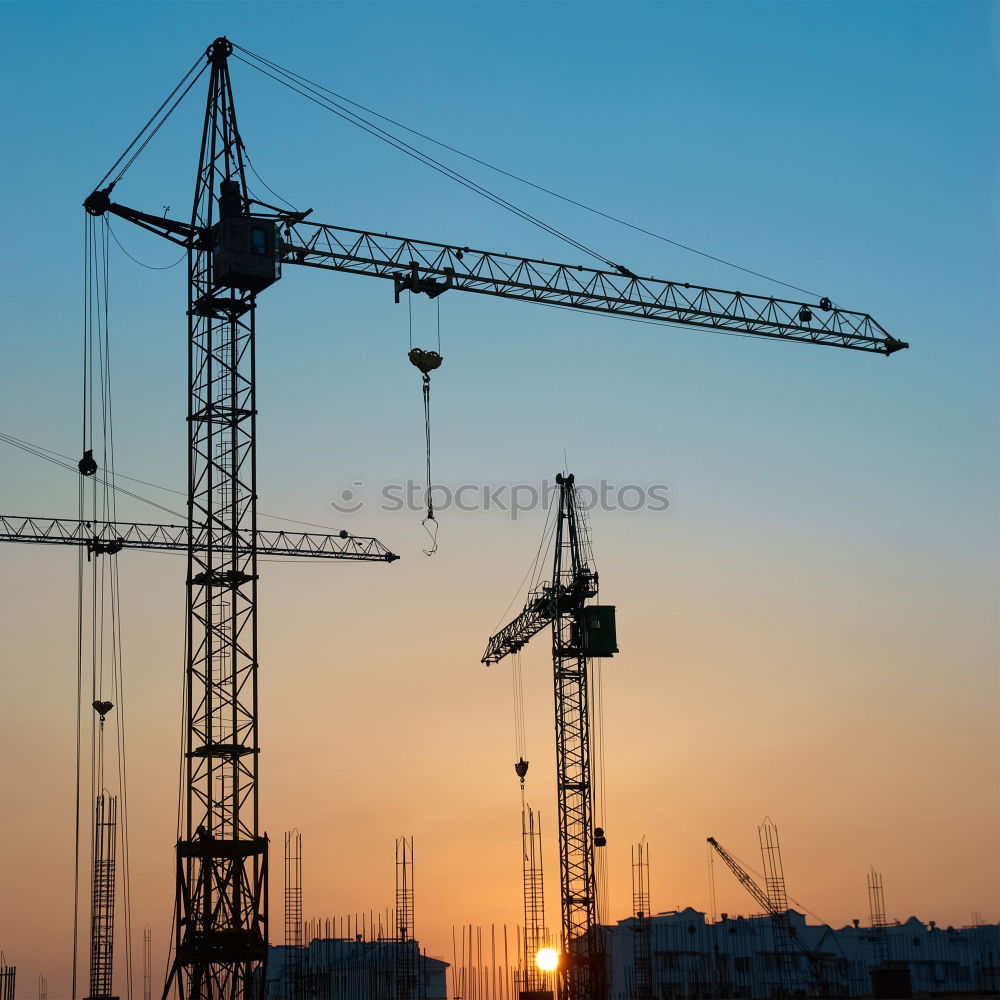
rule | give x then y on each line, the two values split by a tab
222	857
580	631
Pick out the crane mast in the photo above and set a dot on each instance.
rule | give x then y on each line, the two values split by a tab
222	857
579	631
575	582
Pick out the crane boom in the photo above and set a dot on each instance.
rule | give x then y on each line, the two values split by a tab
432	268
745	880
420	266
538	612
112	536
784	932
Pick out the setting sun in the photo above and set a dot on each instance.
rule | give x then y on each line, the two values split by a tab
547	959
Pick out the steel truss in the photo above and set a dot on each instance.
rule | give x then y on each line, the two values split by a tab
221	902
102	903
110	537
562	603
421	266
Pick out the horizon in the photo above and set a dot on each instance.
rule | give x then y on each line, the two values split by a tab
802	545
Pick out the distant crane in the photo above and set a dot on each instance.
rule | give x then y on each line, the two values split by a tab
236	250
879	924
774	902
580	631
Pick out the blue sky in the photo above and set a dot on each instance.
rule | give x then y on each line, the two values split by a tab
831	544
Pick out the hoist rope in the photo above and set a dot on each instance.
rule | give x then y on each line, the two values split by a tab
101	588
523	180
517	683
79	741
599	765
429	523
296	84
121	173
533	572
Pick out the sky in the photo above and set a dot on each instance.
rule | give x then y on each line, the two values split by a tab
807	631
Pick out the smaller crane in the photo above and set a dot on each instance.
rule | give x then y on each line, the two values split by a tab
785	937
580	631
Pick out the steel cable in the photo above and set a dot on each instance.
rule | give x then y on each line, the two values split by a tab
525	181
424	158
150	121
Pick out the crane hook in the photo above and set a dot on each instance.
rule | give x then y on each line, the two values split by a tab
426	362
521	769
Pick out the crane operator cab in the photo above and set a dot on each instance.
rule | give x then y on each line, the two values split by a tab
246	251
600	637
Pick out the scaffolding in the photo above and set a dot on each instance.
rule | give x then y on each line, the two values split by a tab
774	887
294	945
641	943
533	980
8	977
879	925
102	906
406	946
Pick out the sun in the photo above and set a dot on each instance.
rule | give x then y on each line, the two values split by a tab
547	959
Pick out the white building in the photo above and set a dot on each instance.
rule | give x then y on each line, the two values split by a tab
739	957
355	969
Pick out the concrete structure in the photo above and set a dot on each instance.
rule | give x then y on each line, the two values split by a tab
355	969
737	957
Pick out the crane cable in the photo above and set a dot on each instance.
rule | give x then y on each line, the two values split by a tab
426	362
65	462
601	796
143	143
516	177
517	679
102	626
312	92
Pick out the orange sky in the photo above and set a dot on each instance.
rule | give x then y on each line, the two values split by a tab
808	632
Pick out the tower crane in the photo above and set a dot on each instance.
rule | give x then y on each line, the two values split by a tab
236	248
775	905
580	631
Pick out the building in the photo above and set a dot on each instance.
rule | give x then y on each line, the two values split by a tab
740	957
355	969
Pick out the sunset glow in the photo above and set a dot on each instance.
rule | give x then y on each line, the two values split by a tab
800	542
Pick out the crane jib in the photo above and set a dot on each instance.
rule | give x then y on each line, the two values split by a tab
432	268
